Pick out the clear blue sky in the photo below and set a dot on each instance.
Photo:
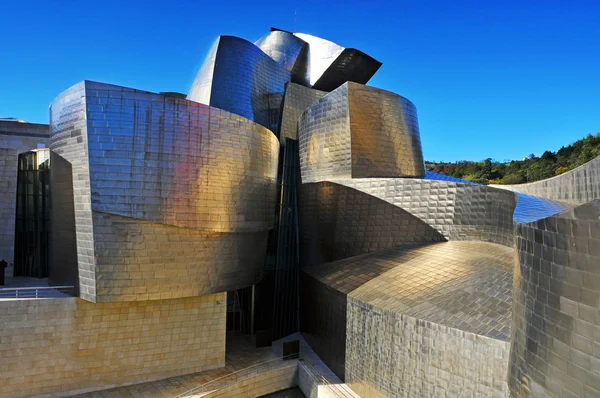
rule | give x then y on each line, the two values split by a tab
489	79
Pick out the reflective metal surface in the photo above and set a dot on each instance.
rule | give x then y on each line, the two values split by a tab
556	340
421	320
358	132
330	65
578	186
238	77
289	51
173	198
295	101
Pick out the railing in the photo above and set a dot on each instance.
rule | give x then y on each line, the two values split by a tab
237	376
320	380
36	292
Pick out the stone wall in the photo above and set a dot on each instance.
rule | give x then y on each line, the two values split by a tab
64	345
579	185
15	138
556	334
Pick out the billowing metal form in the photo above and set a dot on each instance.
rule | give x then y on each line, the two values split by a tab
238	77
289	51
420	320
295	101
359	132
580	185
556	341
331	65
173	198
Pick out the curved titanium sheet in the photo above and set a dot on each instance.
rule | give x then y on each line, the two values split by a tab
287	50
296	100
555	339
578	186
330	65
187	172
457	211
360	132
386	319
238	77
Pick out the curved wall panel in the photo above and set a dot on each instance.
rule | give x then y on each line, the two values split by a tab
238	77
145	163
556	341
287	50
296	100
359	132
579	185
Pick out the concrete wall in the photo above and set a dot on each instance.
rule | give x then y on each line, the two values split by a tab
15	138
556	335
579	185
66	345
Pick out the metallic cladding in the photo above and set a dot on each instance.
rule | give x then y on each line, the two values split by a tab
296	100
238	77
360	132
578	186
556	341
289	51
172	198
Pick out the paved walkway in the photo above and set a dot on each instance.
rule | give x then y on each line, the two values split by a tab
240	354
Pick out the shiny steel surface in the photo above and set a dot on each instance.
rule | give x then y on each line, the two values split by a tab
289	51
144	162
295	101
237	77
358	132
556	340
322	53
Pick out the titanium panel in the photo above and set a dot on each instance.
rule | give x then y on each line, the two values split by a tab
289	51
360	132
295	101
556	340
331	65
143	163
578	186
238	77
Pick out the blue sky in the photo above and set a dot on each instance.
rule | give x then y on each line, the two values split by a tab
489	79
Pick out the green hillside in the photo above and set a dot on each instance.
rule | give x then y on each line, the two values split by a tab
530	169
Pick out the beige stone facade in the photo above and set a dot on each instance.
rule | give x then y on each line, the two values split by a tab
70	345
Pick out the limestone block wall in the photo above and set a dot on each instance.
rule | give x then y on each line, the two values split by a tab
64	345
556	335
15	138
267	382
579	185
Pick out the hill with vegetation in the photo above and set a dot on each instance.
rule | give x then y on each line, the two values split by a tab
530	169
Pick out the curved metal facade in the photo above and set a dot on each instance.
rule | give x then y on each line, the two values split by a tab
580	185
295	101
162	178
289	51
555	345
360	132
238	77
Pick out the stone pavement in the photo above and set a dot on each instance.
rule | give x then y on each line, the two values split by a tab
240	354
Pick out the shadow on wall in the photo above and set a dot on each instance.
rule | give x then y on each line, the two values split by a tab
62	267
338	222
